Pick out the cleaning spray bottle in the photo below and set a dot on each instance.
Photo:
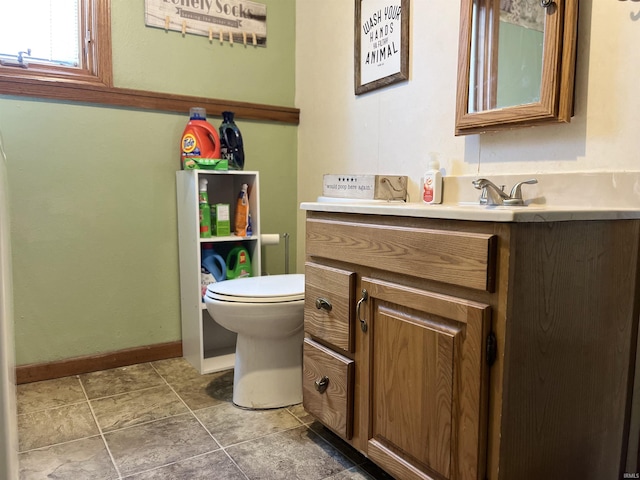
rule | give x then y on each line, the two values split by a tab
205	210
200	139
242	212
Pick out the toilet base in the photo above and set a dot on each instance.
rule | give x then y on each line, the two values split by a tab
268	371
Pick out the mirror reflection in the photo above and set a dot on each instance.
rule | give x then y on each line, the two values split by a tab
506	60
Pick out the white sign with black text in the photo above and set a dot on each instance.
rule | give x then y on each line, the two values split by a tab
380	39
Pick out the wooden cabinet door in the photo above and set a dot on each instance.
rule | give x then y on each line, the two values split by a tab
428	382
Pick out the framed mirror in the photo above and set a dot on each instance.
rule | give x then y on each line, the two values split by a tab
516	63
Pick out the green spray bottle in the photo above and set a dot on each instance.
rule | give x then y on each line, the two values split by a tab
205	210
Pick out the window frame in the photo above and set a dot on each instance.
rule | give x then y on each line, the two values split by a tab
96	53
97	87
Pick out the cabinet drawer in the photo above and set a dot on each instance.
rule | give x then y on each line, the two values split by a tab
449	256
328	305
331	403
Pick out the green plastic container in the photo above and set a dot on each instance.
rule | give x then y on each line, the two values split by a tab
238	263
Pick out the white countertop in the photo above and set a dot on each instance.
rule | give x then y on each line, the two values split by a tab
474	212
556	198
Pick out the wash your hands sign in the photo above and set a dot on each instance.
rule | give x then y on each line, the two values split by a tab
234	21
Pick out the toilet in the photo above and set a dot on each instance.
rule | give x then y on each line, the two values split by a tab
267	314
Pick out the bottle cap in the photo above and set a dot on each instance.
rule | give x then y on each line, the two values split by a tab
197	113
203	184
434	165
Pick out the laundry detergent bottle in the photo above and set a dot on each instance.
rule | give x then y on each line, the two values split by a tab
200	139
232	147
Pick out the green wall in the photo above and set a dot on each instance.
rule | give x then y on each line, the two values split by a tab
92	188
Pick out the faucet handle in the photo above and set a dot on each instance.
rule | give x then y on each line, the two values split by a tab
516	192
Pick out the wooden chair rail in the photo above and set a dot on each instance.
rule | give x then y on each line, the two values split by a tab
140	99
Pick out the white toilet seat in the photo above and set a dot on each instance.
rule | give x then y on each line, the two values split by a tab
267	289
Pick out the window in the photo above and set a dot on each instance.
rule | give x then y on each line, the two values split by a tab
88	77
56	39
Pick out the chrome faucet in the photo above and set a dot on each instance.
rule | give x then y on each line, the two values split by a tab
514	198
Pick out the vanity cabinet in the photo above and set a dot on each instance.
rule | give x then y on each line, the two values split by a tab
448	349
205	344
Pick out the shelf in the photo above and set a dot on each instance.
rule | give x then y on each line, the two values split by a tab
205	344
219	360
229	238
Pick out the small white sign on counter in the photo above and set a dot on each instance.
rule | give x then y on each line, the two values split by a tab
367	187
349	186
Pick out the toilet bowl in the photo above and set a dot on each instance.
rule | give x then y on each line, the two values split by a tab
267	314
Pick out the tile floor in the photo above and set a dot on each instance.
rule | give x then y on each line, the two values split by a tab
163	420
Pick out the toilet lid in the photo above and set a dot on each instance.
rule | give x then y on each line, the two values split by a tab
266	289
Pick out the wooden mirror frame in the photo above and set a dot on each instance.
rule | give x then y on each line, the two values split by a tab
558	71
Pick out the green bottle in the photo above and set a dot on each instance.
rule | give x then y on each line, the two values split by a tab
205	210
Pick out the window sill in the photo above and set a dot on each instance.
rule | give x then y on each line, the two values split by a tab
93	93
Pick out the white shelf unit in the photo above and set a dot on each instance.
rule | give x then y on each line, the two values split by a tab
205	344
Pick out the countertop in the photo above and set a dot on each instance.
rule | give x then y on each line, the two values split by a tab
474	212
556	198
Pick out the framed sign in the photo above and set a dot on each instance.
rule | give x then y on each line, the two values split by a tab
236	21
381	43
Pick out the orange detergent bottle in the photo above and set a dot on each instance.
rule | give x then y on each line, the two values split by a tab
199	140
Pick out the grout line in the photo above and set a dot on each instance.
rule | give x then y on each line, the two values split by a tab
125	393
56	407
104	440
44	447
203	426
224	448
187	407
142	390
306	426
170	463
298	418
235	463
268	435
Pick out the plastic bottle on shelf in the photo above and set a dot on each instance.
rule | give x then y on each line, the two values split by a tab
242	212
231	145
432	184
200	139
205	210
249	226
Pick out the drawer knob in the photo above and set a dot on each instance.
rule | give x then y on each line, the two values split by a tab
322	384
323	303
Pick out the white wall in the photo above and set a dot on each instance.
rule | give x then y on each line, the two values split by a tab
392	130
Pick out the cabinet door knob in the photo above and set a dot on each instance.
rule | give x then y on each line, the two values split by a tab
322	384
363	322
323	303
